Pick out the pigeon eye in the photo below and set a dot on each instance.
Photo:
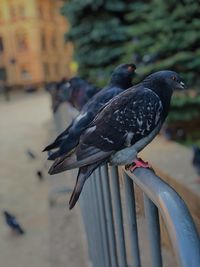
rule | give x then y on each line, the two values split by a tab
131	68
173	78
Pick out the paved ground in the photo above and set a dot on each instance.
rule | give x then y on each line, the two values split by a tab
25	125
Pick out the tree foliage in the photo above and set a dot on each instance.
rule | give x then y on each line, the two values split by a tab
99	33
166	37
155	34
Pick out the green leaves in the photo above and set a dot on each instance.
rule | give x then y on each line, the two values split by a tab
99	34
184	108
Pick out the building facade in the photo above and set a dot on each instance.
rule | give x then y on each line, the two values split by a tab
32	47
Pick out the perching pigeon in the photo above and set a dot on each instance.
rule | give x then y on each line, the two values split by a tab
81	92
196	160
76	91
122	128
121	79
13	223
55	93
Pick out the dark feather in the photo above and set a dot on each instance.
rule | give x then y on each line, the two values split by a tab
83	174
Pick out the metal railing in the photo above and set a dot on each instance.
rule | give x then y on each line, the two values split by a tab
103	210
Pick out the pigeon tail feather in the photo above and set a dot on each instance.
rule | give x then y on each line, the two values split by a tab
83	174
59	140
71	162
65	148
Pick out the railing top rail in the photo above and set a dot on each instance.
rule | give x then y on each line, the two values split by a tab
182	231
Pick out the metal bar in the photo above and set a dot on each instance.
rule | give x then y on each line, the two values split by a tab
103	223
182	231
85	203
93	223
84	212
153	227
118	217
109	217
100	260
132	222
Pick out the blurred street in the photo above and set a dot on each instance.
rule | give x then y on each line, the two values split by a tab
21	193
25	122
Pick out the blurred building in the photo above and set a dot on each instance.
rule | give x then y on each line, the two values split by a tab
32	47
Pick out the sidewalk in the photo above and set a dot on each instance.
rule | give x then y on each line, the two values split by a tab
53	235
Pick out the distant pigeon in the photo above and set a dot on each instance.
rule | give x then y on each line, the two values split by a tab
76	91
121	79
40	175
81	92
196	160
121	129
12	222
55	91
31	154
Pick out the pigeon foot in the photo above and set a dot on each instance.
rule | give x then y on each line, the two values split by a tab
137	163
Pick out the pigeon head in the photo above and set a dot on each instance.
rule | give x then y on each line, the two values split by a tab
166	79
77	82
122	75
163	83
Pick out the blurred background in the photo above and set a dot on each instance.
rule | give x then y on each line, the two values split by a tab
43	44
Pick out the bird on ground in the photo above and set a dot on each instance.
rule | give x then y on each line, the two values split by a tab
196	160
31	154
40	175
12	222
121	79
123	127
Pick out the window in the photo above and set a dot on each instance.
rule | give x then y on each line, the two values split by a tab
46	69
13	13
1	45
1	16
24	72
21	9
53	40
22	40
43	41
41	12
56	69
3	74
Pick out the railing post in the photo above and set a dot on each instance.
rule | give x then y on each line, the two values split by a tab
132	221
118	217
153	227
109	216
102	215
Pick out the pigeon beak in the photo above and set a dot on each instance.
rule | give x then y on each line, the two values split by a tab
181	86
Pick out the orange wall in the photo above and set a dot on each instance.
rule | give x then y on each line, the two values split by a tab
39	16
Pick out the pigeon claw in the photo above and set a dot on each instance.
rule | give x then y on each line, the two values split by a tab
137	163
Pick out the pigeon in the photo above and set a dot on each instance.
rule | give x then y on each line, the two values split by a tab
12	222
55	94
81	92
121	129
40	175
30	154
196	160
76	91
121	79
